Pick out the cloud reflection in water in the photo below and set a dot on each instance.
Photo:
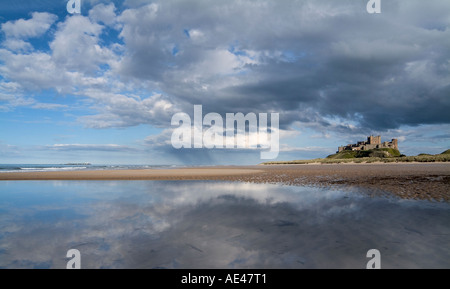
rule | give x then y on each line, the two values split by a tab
208	224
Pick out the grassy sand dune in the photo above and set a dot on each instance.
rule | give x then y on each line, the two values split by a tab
371	156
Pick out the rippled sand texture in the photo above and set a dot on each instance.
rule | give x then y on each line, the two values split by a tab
411	181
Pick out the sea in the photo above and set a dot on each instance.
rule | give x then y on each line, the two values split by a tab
215	225
8	168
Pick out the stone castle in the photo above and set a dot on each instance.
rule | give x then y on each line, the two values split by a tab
373	142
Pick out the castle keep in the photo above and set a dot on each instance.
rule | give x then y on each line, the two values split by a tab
373	142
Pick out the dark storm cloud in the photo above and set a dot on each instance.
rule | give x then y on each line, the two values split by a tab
307	60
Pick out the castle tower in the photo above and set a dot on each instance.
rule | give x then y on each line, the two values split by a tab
395	143
377	140
374	140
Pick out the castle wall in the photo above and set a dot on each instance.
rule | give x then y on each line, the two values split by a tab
373	142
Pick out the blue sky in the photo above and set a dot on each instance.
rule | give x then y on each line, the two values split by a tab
102	86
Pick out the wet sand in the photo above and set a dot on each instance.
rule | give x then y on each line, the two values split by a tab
212	173
407	180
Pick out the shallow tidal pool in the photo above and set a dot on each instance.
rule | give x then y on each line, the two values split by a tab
210	224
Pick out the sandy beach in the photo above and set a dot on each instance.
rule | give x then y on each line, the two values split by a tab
408	180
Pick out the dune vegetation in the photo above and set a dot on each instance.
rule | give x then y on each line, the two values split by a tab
370	156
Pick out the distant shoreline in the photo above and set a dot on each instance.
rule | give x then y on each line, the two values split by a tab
407	180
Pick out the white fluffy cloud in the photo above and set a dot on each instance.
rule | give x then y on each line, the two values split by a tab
34	27
76	46
103	14
119	110
17	45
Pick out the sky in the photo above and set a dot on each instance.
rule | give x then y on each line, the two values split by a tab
102	86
